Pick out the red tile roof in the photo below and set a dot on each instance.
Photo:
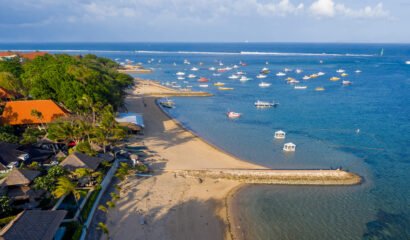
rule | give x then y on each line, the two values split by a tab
19	112
31	55
6	54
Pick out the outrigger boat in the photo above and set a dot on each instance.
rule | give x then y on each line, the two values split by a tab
233	115
167	103
225	88
263	104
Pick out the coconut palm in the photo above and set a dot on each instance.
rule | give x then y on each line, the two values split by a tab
65	187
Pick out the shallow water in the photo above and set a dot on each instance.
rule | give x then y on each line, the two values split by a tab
322	124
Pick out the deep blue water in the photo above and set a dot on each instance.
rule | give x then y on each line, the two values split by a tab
322	124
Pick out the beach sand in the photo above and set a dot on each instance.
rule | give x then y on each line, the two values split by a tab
172	206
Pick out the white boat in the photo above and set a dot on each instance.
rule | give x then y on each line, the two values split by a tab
280	74
293	81
280	135
233	114
233	76
212	69
180	78
244	79
216	74
289	147
306	78
194	69
408	62
359	71
240	73
340	71
300	87
186	62
180	74
320	73
265	70
167	103
263	104
287	69
298	71
261	76
264	84
346	83
203	85
235	66
191	76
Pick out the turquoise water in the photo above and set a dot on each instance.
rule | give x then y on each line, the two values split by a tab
322	124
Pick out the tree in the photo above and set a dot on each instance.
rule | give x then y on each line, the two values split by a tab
10	82
104	229
7	135
5	208
122	171
48	181
83	173
102	208
31	135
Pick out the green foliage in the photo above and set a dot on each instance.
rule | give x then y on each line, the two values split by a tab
122	171
6	220
114	196
89	204
102	208
12	66
103	228
64	187
48	182
10	82
141	168
110	204
34	166
7	134
84	147
31	135
67	79
5	208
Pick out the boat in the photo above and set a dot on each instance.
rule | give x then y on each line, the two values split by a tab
243	64
191	76
216	74
203	79
340	71
334	79
261	76
225	88
244	79
408	62
344	74
319	89
240	73
280	74
306	78
203	85
300	87
265	70
167	103
221	70
233	76
346	83
194	69
287	69
359	71
320	74
218	84
264	84
180	78
187	62
233	115
298	71
180	74
289	147
280	135
314	75
293	81
382	52
212	69
235	66
263	104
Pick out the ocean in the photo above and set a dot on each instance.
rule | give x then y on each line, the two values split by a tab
363	128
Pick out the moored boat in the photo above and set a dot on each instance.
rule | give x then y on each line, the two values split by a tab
232	115
203	85
280	74
261	76
300	87
225	88
346	83
264	84
168	103
319	89
264	104
203	79
219	84
334	79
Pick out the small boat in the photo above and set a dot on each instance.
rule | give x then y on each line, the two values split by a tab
319	89
233	115
240	73
265	70
233	76
306	78
293	81
340	71
216	74
280	74
167	103
221	70
320	74
344	74
187	62
280	135
244	79
194	69
235	66
203	85
359	71
346	83
300	87
334	79
298	71
263	104
243	64
408	62
261	76
287	69
191	76
219	84
180	74
221	64
225	88
180	78
212	69
203	79
264	84
314	75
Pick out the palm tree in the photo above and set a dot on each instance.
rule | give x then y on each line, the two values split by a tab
65	187
83	172
104	229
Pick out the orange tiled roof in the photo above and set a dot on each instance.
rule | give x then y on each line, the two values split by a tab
31	55
19	112
6	54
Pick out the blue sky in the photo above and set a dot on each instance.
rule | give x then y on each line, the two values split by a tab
205	20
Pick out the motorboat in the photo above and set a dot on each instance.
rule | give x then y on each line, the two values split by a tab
187	62
408	62
319	89
280	74
306	78
203	79
225	88
340	71
240	73
314	75
194	69
359	71
265	70
287	69
298	87
180	78
346	83
233	76
293	81
203	85
212	69
244	79
344	74
261	76
235	66
334	79
191	76
219	84
264	84
264	104
320	74
298	71
216	74
167	103
233	115
180	74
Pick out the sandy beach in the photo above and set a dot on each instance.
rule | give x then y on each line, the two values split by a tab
171	205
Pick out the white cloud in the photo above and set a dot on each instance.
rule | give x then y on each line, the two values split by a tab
328	8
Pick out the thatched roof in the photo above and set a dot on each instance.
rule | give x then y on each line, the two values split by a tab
80	160
33	225
20	177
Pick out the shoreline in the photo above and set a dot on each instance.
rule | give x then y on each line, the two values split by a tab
194	181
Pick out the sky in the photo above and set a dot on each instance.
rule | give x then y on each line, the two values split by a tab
205	21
